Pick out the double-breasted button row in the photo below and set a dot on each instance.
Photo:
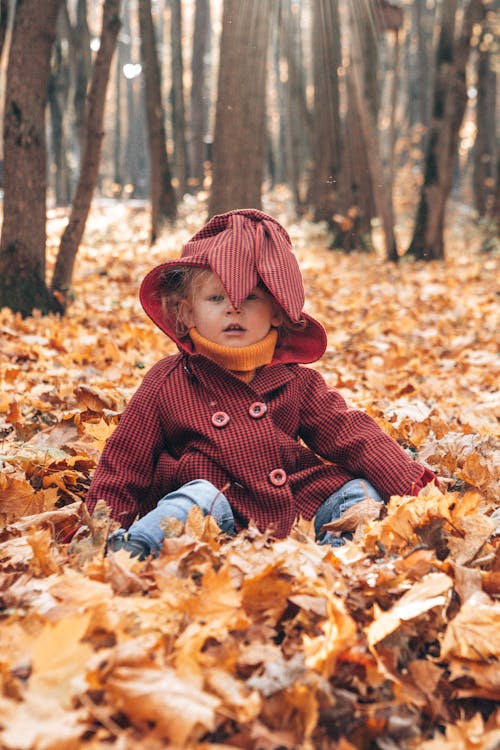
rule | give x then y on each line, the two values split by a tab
256	411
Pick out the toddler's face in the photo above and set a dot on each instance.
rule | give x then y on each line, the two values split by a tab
213	316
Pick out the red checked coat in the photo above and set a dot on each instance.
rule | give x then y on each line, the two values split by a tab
278	446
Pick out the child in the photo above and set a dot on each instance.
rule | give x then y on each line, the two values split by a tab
234	423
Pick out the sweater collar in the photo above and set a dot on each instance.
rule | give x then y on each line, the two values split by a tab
242	361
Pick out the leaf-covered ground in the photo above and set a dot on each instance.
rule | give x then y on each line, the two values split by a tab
391	642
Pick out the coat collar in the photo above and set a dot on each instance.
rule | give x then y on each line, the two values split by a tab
215	378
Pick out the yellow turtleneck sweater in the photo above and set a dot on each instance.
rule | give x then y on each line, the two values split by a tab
242	361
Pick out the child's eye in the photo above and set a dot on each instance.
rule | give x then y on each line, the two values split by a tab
215	298
253	296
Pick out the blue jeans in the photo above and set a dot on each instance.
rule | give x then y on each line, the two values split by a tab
345	497
177	504
212	502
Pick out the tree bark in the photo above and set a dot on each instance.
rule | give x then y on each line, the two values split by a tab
351	229
118	136
298	125
240	124
485	146
324	188
4	15
276	104
163	201
424	23
178	107
83	64
199	92
59	87
89	166
450	100
380	189
22	245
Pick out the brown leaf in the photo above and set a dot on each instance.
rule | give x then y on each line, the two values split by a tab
38	722
475	631
357	515
466	735
59	659
431	591
92	398
180	711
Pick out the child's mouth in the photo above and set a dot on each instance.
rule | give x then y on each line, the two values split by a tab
233	328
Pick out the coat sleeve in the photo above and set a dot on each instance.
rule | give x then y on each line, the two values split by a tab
126	469
352	439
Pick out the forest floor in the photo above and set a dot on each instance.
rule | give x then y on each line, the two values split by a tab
391	642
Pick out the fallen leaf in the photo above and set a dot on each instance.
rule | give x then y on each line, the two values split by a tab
474	633
432	591
179	711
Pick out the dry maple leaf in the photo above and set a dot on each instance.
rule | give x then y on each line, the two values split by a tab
278	675
431	591
179	711
358	515
240	702
39	722
467	735
93	399
474	633
59	658
18	498
99	432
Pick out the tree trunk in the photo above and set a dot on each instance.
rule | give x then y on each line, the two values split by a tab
4	15
298	124
178	108
380	192
83	68
22	245
277	102
393	128
199	92
496	201
163	201
59	86
133	171
324	188
89	166
421	71
351	229
240	120
485	145
118	138
450	100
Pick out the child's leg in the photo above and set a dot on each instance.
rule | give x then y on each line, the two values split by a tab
146	536
345	497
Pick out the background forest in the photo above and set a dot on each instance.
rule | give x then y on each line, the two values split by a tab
370	130
347	104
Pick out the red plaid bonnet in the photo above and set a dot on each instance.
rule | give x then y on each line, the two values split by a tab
239	247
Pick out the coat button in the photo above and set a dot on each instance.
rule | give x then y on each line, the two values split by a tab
220	419
278	477
257	409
